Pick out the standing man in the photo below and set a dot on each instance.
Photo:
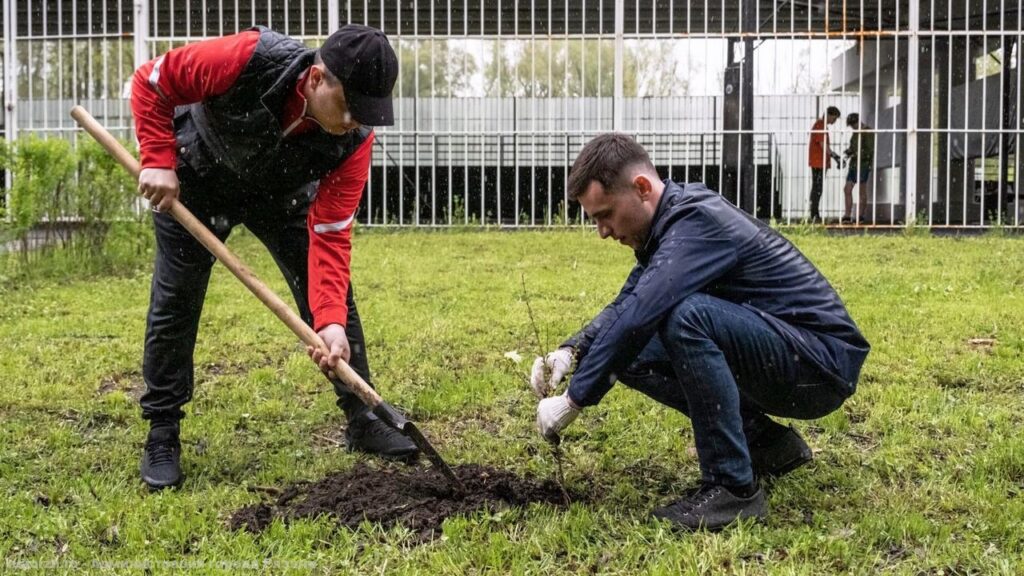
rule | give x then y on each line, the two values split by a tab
861	155
721	318
256	129
819	158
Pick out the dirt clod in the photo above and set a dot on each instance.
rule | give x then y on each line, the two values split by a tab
416	498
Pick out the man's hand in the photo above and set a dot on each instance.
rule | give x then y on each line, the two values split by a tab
557	364
554	414
160	187
336	340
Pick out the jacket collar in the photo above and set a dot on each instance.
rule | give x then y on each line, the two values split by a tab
651	244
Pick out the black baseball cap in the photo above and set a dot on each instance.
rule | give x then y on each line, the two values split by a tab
362	58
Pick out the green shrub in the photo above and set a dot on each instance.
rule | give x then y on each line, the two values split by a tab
105	194
42	173
5	164
78	204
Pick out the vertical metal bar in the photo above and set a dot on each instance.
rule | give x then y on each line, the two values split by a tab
983	156
932	84
465	131
618	97
1018	115
581	101
532	95
30	96
416	110
105	59
483	143
968	76
448	103
44	72
10	85
433	125
515	120
121	101
913	54
384	139
333	16
499	56
61	93
74	65
565	113
1002	176
88	53
401	123
551	144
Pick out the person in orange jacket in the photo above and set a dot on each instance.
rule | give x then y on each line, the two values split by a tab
820	157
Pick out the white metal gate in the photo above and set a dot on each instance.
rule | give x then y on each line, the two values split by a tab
496	97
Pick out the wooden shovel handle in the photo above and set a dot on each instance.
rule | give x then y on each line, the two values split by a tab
272	301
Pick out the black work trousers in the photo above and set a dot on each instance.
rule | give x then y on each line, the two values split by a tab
182	272
817	186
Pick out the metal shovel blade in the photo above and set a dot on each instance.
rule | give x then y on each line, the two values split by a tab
394	418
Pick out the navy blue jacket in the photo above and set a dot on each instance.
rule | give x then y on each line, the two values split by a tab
699	242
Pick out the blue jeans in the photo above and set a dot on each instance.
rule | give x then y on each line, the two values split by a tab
856	174
723	366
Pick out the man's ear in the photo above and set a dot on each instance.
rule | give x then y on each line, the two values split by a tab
316	75
643	186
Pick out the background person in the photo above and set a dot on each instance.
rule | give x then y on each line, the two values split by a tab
860	155
820	157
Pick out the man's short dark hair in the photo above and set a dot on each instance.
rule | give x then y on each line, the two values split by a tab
833	111
853	119
605	160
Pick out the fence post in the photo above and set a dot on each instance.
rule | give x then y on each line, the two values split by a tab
617	100
10	83
334	17
141	32
913	55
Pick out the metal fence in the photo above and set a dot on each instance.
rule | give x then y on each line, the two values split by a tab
496	97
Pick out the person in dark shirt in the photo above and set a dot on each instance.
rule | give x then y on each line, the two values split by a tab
721	318
861	156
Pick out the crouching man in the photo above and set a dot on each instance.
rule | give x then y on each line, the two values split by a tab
721	318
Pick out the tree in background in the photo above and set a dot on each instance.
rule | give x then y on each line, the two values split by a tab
437	68
556	68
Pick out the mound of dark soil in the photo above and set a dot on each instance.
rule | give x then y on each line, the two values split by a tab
417	498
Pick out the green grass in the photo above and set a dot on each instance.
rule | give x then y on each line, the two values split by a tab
922	471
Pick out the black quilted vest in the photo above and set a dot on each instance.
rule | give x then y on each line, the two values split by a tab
236	138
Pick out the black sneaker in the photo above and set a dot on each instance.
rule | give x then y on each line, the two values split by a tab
776	454
712	507
373	436
161	462
846	220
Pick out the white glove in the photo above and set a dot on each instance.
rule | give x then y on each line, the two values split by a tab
558	363
554	414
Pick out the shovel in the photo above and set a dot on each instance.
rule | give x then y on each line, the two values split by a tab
345	373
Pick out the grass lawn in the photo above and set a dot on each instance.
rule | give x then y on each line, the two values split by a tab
922	471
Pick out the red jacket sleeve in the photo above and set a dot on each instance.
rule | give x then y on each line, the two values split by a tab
184	75
330	222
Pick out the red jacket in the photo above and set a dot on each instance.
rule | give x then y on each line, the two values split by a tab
205	69
819	155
